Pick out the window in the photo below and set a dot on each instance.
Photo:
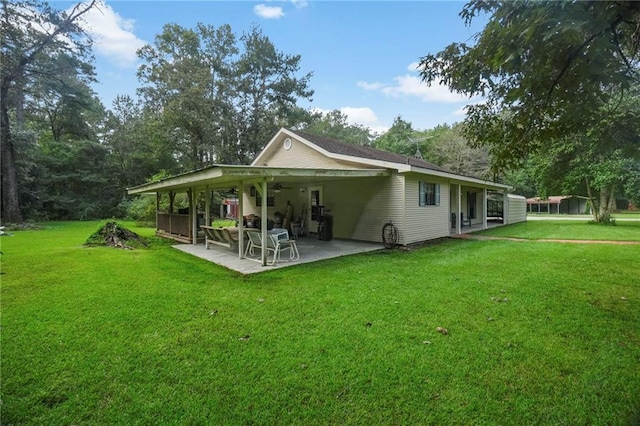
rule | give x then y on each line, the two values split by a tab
429	194
258	197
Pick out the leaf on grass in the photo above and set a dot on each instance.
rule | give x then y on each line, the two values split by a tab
442	330
244	337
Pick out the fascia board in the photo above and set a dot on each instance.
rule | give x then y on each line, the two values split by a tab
459	178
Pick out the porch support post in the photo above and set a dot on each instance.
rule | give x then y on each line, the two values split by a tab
193	215
240	220
207	206
158	195
486	207
172	197
459	221
263	221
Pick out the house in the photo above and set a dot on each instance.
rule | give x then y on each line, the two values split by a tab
559	204
353	189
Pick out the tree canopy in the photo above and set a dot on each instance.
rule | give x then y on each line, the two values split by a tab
220	95
334	124
39	46
554	76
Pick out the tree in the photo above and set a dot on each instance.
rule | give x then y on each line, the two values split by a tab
400	138
334	125
549	71
584	164
450	149
268	89
136	144
219	101
34	41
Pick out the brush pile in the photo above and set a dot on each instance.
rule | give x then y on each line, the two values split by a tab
114	235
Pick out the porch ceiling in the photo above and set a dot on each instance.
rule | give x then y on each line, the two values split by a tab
226	176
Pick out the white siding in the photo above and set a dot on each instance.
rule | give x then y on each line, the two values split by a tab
302	156
516	209
425	222
360	207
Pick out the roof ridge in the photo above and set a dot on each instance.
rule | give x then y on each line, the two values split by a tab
367	152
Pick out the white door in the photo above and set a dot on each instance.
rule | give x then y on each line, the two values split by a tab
315	203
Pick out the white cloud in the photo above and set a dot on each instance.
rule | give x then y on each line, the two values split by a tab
370	86
268	12
363	116
299	3
414	66
113	35
360	115
460	112
412	86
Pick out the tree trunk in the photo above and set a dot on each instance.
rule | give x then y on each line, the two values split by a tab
10	205
595	208
606	205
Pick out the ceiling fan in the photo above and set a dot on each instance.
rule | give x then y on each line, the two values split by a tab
278	186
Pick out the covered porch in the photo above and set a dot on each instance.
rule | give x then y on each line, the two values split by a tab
311	250
256	187
474	208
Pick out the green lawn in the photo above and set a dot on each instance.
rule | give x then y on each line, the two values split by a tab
622	214
571	230
537	334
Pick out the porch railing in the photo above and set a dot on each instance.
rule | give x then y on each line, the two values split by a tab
175	224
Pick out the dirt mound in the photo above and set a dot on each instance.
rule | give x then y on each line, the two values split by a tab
114	235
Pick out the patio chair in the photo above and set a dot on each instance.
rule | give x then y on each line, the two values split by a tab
464	221
282	239
275	244
255	242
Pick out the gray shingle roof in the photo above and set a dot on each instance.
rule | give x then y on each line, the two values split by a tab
361	151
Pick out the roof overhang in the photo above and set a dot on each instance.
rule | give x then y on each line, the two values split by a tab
462	180
224	176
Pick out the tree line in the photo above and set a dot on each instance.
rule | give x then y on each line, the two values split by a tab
208	96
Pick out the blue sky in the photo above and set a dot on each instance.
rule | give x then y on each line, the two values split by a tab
362	54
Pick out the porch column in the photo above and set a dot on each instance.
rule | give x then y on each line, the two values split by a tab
207	206
263	221
240	220
193	215
486	207
158	195
458	221
172	197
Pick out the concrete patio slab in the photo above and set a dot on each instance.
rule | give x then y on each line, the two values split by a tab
311	250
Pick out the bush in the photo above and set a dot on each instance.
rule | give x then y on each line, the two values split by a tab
141	209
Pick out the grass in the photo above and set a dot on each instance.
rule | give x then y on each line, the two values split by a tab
538	334
621	214
571	230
